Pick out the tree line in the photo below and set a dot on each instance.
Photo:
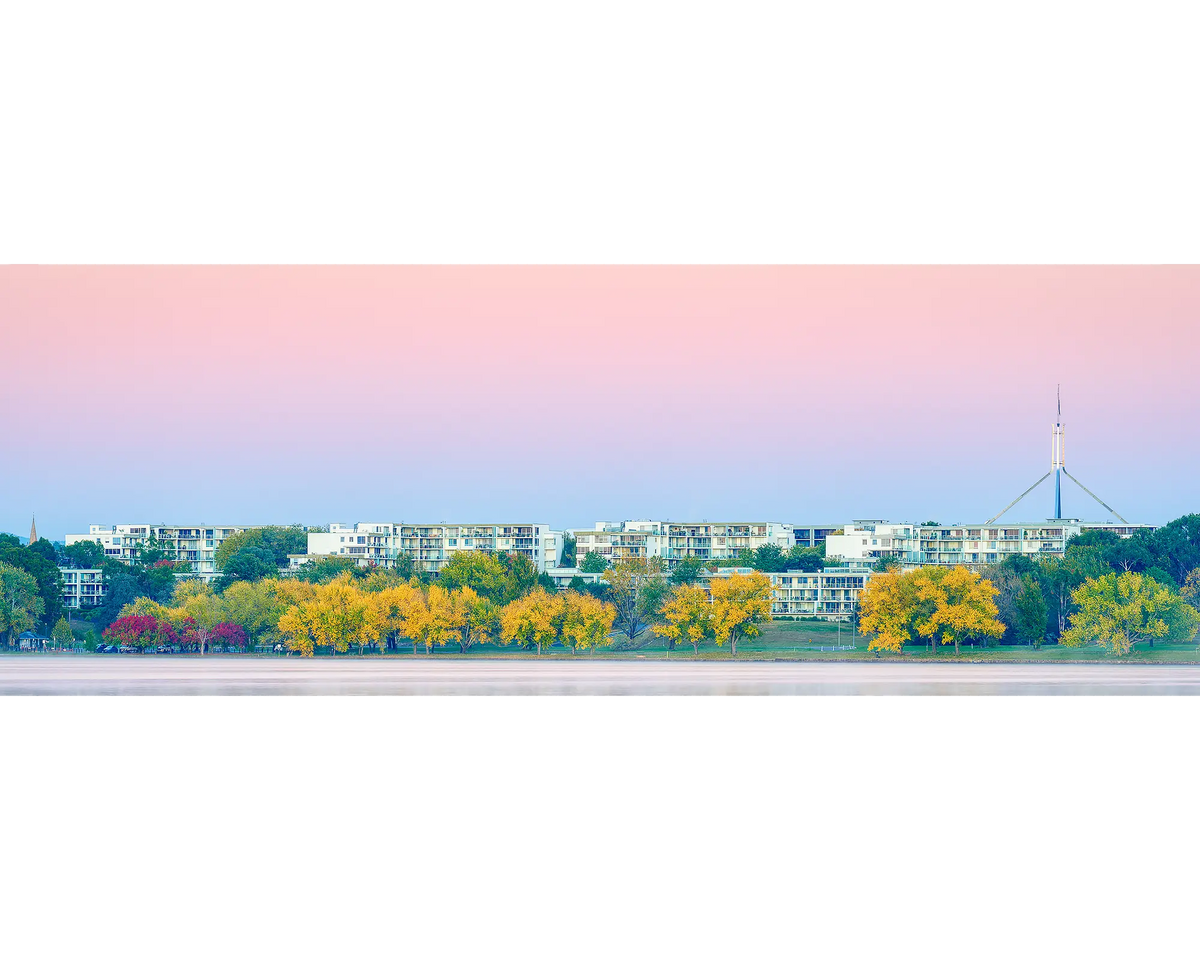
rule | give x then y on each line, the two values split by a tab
478	597
1103	589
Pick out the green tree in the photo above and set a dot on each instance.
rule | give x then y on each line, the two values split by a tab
34	561
568	551
593	562
20	605
687	571
1061	576
1176	546
46	550
481	570
85	555
153	551
636	587
1120	610
1030	612
807	559
324	569
520	576
61	634
886	563
274	543
770	558
250	564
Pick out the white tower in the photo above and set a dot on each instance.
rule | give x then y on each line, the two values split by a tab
1058	458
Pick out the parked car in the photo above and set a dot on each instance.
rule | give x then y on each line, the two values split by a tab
124	648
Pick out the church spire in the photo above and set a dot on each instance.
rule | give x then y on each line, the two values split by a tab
33	532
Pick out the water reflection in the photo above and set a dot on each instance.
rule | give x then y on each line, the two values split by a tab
248	676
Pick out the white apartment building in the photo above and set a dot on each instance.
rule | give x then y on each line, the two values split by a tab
432	545
196	544
724	541
829	594
622	540
973	545
562	576
619	540
82	588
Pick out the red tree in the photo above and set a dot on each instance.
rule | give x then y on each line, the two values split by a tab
141	632
230	635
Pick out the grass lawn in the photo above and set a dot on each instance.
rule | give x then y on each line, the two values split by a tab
803	640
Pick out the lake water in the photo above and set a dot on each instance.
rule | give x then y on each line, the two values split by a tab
233	675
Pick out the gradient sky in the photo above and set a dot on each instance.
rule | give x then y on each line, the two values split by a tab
569	394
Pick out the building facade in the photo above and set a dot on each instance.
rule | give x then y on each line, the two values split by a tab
724	541
194	544
562	576
829	594
972	545
82	588
809	536
622	540
673	542
432	545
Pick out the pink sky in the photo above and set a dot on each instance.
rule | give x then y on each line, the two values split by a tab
570	394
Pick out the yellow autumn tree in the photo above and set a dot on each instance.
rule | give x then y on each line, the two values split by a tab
587	622
688	617
397	612
887	612
740	602
437	621
477	617
145	607
296	628
337	615
1119	610
1190	591
939	604
535	619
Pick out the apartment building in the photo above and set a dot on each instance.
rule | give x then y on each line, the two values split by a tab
562	576
724	541
619	540
196	544
829	594
973	545
82	588
622	540
432	545
809	536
